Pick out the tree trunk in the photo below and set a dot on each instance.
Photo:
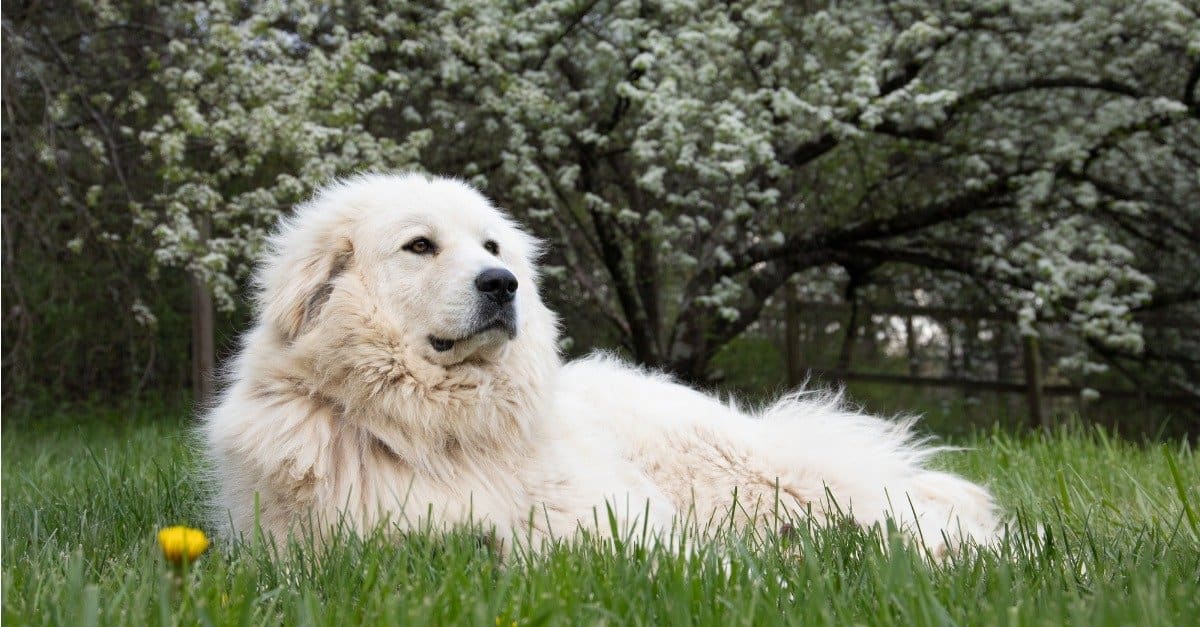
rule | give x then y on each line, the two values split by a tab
791	334
910	347
970	345
843	362
1003	353
203	352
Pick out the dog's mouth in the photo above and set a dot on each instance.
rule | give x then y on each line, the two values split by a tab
500	323
441	344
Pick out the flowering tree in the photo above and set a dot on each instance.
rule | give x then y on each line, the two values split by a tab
688	158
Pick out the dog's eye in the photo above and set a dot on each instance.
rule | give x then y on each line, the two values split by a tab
421	246
492	247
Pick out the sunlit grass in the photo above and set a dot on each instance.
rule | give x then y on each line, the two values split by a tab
83	497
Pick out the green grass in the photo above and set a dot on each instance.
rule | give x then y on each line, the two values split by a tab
84	494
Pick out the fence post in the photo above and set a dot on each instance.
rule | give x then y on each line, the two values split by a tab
1033	382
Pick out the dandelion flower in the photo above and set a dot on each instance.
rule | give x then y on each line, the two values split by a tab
179	543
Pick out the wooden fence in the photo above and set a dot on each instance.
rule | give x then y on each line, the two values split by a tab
1033	385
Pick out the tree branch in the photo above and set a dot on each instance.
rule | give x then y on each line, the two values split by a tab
1189	90
903	222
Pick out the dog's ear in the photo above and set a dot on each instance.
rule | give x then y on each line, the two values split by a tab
296	283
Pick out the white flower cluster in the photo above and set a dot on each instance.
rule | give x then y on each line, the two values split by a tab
1072	270
260	113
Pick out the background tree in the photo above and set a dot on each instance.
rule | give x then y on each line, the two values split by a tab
80	316
684	159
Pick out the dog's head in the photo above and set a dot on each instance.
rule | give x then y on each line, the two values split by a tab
426	264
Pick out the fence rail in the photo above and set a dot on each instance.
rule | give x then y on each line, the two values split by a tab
1034	387
983	385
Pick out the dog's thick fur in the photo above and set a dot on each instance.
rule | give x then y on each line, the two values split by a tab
341	409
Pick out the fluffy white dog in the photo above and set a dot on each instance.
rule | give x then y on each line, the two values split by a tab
404	370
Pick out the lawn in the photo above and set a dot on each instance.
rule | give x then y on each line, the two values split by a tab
85	492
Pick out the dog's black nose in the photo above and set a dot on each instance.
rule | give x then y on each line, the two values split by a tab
499	284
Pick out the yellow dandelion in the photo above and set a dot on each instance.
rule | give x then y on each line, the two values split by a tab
182	542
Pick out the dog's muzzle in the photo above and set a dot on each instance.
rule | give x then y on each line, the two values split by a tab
496	310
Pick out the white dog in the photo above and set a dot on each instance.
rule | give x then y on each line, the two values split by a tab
404	370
